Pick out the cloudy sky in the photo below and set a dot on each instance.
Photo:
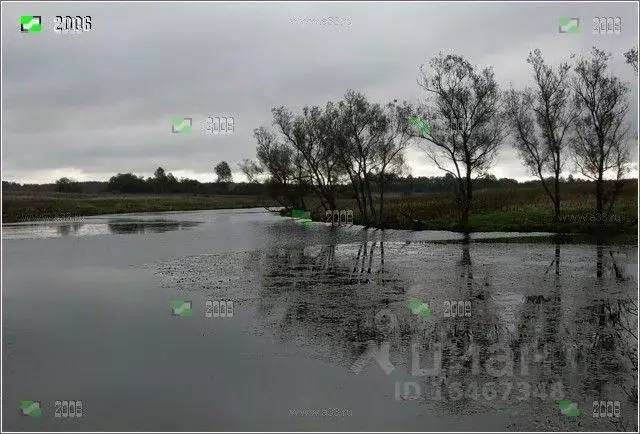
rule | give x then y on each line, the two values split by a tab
92	104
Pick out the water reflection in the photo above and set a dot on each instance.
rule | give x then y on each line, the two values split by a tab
66	229
546	332
92	226
133	226
614	339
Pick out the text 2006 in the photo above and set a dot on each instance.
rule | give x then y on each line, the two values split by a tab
69	24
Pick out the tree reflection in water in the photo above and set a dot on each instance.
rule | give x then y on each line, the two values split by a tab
336	300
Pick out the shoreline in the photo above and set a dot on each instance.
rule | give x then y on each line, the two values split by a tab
72	211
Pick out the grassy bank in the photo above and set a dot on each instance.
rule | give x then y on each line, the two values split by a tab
517	209
26	207
522	210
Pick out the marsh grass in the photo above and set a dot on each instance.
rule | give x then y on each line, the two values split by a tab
517	209
27	208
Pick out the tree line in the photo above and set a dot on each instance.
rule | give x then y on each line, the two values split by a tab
163	182
130	183
574	115
160	182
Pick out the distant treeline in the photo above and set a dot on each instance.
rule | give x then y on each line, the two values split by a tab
162	184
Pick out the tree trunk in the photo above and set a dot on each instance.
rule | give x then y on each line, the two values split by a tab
467	200
599	198
381	198
363	201
332	200
370	197
462	203
556	199
354	184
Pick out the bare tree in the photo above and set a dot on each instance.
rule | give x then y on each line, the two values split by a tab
315	158
389	155
352	140
540	119
250	169
631	57
277	160
469	99
359	129
274	158
599	142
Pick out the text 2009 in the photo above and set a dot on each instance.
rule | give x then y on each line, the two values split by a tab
339	217
68	409
606	409
457	308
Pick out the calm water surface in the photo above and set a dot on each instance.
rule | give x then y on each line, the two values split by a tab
332	328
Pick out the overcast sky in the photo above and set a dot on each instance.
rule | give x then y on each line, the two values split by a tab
92	104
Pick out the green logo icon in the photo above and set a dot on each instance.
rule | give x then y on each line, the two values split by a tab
30	408
304	217
181	125
180	308
569	408
30	24
420	125
569	25
419	308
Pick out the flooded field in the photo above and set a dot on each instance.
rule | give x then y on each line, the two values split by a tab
244	320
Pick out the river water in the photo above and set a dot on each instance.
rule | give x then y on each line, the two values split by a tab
330	328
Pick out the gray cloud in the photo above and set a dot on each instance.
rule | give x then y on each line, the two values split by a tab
93	104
